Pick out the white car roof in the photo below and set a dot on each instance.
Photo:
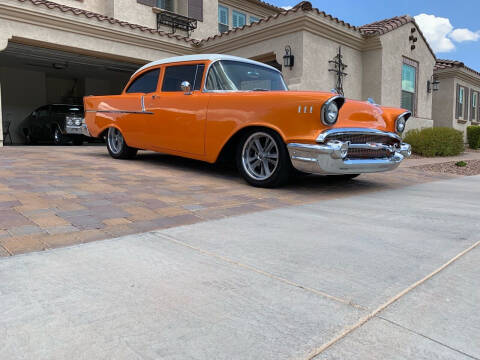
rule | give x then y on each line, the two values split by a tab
202	57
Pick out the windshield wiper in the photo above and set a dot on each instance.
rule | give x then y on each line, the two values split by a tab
260	89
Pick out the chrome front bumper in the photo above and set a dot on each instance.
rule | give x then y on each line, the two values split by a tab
331	158
77	130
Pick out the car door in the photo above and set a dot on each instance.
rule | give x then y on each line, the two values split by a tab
179	117
132	119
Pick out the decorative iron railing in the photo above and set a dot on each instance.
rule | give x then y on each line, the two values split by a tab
175	21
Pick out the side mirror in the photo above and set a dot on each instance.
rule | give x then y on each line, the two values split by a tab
186	87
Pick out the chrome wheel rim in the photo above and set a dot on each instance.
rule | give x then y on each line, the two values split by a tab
115	140
57	136
260	156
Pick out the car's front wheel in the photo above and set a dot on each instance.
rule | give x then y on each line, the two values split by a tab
57	136
262	159
117	147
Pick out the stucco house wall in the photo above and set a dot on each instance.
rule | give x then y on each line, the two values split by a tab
395	46
443	105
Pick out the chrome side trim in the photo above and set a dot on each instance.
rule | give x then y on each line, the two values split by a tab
142	101
120	112
352	131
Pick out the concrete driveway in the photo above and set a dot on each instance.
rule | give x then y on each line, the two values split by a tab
389	274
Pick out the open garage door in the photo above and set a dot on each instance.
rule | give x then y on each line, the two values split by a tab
32	77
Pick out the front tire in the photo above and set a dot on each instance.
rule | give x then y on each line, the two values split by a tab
117	147
262	159
57	136
77	141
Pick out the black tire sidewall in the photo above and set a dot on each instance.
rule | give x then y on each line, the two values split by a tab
60	136
281	174
125	153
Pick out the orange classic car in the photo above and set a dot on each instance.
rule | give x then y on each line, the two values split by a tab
208	107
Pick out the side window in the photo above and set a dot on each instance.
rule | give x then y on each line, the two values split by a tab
145	83
175	75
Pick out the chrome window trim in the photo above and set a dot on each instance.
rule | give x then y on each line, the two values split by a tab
325	106
204	86
352	131
409	113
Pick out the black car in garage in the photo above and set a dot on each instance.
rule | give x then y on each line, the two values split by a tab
57	123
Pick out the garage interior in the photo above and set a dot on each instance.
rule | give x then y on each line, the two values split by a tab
32	76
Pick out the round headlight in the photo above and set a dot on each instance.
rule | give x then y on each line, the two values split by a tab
78	122
401	121
330	115
69	121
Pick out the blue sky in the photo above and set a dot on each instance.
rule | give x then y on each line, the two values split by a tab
452	27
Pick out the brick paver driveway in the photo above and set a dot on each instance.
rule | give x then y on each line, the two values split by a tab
56	196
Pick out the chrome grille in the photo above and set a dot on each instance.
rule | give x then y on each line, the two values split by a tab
364	138
366	153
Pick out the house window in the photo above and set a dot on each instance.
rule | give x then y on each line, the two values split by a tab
460	102
223	23
238	19
254	19
409	85
165	5
474	110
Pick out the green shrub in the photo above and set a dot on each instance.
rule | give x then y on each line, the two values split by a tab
461	164
473	136
436	141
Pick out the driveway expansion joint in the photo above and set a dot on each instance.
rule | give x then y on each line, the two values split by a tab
382	307
259	271
427	337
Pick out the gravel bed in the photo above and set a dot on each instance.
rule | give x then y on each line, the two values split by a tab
472	168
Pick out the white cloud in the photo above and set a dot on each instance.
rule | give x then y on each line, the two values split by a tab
436	30
461	35
440	32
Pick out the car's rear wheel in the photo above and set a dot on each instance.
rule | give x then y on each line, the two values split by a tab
262	158
57	136
117	147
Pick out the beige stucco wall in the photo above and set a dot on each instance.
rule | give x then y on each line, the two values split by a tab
395	45
38	25
317	52
443	105
372	75
97	6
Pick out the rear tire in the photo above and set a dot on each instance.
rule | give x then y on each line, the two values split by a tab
117	147
262	159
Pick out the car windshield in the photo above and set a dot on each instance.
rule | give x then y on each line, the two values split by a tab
228	75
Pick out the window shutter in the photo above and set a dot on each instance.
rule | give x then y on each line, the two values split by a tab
195	9
467	93
457	107
151	3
